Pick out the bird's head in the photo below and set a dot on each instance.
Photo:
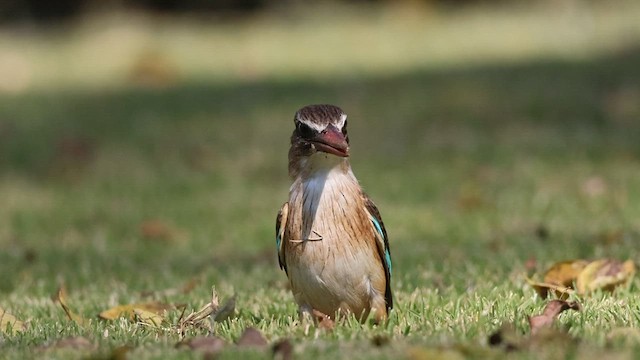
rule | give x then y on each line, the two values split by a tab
319	130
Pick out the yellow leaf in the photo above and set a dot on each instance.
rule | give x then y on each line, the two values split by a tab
9	324
543	288
61	297
565	272
148	318
605	274
128	310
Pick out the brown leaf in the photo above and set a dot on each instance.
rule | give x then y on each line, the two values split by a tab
77	149
252	337
9	324
565	272
207	344
282	350
531	264
148	318
551	311
71	156
129	310
120	352
559	278
61	297
543	289
605	274
156	229
211	311
154	69
76	343
621	105
470	199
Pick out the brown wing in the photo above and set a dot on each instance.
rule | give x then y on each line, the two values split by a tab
281	225
383	245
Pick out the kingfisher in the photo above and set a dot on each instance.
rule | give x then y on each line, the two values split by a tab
331	240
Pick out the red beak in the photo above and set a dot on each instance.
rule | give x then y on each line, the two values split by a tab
332	141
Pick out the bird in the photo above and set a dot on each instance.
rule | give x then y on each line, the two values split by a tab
331	241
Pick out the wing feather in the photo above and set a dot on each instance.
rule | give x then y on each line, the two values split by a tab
281	225
383	245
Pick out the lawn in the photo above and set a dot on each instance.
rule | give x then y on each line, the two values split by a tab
488	163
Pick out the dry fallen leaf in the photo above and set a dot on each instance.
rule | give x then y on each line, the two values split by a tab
76	343
61	297
9	324
153	69
209	345
148	318
565	272
156	229
211	311
543	289
252	337
605	274
470	199
129	310
72	154
530	265
584	275
282	350
551	311
120	352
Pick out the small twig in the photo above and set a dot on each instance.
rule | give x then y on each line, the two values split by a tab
318	238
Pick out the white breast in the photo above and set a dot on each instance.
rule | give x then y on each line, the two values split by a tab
334	272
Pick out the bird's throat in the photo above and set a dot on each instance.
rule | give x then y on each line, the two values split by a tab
319	164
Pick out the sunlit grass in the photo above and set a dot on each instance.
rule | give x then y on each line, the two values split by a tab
316	42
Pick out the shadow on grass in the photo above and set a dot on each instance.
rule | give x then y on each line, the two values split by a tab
588	105
170	144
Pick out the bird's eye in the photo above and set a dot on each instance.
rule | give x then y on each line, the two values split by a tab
304	130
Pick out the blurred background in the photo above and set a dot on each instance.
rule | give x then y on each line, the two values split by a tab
144	142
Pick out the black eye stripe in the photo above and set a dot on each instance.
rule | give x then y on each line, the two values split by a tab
305	130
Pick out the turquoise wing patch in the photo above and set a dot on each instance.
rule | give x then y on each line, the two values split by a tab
387	254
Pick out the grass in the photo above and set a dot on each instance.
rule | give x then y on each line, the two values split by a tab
466	157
